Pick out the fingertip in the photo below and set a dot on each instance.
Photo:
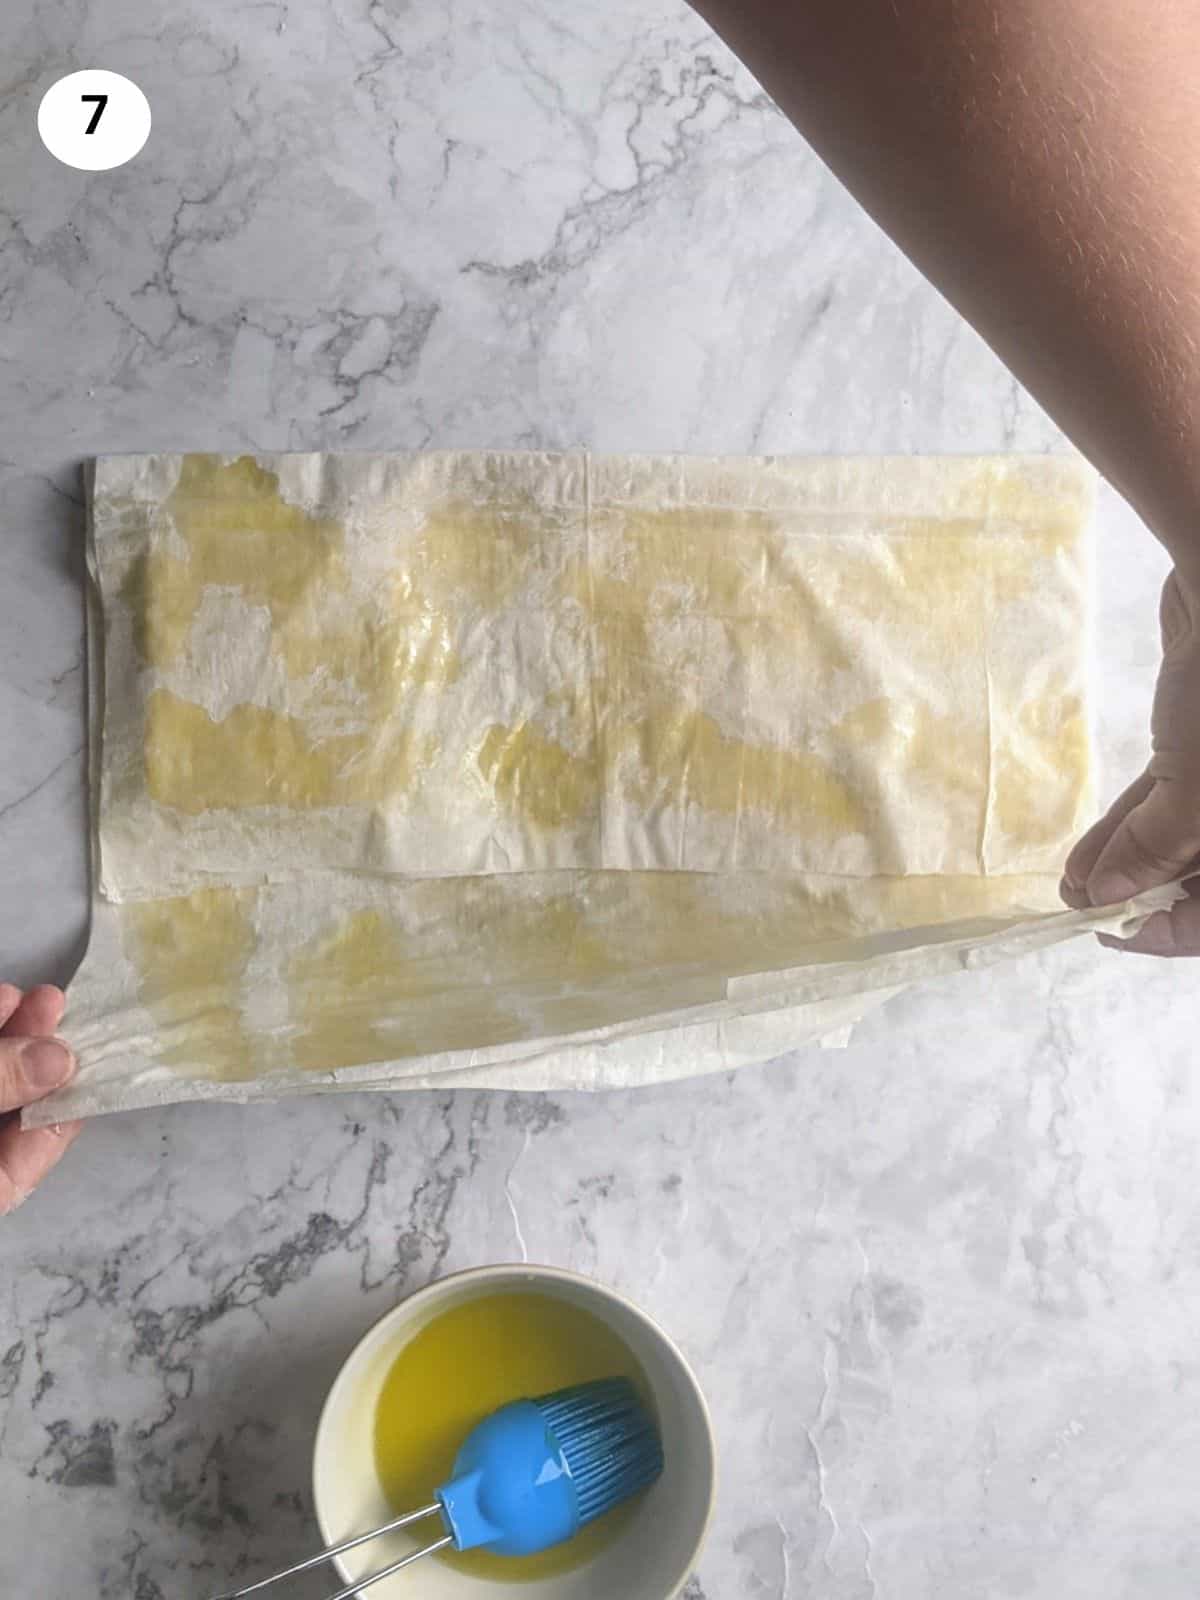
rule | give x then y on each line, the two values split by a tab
1111	888
40	1011
47	1064
47	993
47	1002
1090	848
1079	863
1071	895
1072	876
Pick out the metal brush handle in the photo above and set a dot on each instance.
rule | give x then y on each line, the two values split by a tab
352	1544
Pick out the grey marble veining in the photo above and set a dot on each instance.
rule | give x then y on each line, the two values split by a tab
941	1288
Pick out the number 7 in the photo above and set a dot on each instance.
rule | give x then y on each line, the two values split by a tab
101	101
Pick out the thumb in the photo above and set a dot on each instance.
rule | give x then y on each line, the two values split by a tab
30	1068
1155	841
1087	850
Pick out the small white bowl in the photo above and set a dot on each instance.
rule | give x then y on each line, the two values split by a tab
649	1559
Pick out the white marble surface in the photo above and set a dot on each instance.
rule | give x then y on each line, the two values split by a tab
942	1288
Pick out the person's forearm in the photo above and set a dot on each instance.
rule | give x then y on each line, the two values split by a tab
1040	161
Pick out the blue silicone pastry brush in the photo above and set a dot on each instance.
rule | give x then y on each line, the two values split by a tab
527	1477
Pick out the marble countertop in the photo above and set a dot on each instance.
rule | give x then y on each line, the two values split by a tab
941	1288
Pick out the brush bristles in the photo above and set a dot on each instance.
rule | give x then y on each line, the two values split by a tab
608	1440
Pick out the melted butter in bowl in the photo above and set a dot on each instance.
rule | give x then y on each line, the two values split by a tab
437	1364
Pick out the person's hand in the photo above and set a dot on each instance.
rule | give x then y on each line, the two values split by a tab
1151	833
32	1063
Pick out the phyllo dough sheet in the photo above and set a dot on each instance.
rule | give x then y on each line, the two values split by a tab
476	766
449	664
